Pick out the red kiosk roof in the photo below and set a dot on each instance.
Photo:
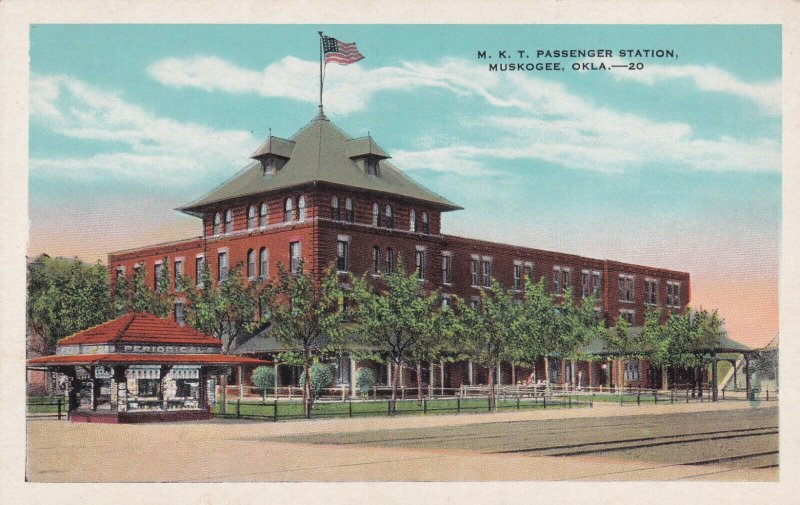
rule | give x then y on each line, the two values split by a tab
140	328
146	359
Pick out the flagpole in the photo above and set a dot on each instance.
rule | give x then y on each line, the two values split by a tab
320	72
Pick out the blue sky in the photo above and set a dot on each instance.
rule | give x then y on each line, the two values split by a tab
676	165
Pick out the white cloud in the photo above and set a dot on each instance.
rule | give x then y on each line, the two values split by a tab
141	144
712	79
533	119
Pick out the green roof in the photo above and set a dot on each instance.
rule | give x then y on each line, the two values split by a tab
319	153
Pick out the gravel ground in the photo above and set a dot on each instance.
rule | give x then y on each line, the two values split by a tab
723	441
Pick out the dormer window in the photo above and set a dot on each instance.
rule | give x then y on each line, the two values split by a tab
273	154
371	164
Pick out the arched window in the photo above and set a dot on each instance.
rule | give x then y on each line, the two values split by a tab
263	214
376	215
301	207
228	221
335	214
251	217
217	223
389	216
389	260
348	210
251	264
412	220
426	228
376	260
288	210
263	266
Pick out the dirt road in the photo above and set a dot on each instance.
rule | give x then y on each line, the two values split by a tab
730	441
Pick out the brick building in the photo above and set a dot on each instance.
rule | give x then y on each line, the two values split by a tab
325	197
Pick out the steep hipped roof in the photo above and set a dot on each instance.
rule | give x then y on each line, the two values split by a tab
321	152
140	328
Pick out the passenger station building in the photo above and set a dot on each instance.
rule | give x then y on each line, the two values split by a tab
324	197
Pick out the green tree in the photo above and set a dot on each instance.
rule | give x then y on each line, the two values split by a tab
264	379
488	330
65	296
578	325
321	378
623	342
539	329
365	380
143	298
226	311
395	319
307	316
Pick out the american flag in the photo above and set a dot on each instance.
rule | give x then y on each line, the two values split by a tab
340	52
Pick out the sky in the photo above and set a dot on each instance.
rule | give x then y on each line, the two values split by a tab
675	165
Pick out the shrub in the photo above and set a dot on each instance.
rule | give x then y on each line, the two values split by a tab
321	378
264	379
365	379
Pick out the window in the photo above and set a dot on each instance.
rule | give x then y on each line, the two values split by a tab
528	271
596	283
263	215
301	207
627	315
517	276
341	255
263	310
447	269
674	294
348	210
335	211
389	216
222	266
288	210
487	273
159	272
389	260
425	225
263	264
474	270
148	387
372	166
633	370
251	217
294	256
186	388
445	301
412	220
626	288
120	273
585	280
420	265
228	221
561	279
251	264
475	303
199	266
376	260
180	314
651	291
376	215
178	274
217	223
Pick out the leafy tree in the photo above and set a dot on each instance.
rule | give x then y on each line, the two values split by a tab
264	379
307	316
226	311
365	380
578	325
65	296
488	330
142	297
539	330
321	378
396	319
